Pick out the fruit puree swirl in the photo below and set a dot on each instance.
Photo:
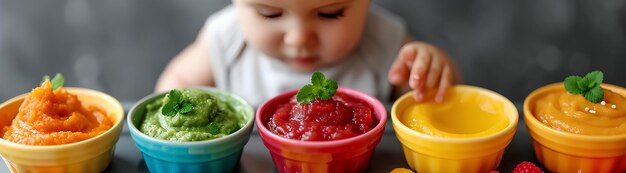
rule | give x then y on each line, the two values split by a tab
573	113
48	117
320	120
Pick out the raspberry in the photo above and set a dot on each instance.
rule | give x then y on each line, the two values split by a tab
527	167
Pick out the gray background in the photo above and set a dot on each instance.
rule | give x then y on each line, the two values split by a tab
121	46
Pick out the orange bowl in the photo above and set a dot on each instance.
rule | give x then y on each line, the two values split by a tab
561	151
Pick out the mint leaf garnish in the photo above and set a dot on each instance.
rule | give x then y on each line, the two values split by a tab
318	79
595	95
596	76
186	107
329	89
175	104
44	79
306	94
214	128
320	87
588	86
571	84
168	109
56	82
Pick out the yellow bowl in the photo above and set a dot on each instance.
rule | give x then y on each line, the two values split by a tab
561	151
91	155
428	153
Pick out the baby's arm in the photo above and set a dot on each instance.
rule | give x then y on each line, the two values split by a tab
191	67
427	69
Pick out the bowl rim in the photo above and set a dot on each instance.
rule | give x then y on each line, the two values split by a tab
532	121
511	127
79	91
134	131
376	105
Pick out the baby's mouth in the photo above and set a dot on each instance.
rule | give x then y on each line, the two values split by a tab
305	60
300	57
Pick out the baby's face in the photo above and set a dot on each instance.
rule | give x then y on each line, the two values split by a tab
305	34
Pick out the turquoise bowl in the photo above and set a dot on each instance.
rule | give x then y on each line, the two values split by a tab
214	155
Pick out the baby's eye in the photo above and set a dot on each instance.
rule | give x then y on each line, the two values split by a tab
270	15
331	15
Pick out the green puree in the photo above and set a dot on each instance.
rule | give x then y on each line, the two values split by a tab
209	117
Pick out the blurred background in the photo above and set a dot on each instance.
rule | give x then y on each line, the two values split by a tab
121	46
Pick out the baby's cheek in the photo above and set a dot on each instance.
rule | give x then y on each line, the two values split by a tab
337	46
267	41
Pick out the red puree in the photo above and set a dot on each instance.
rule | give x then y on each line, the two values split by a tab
337	118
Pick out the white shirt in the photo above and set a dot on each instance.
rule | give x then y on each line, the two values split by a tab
254	76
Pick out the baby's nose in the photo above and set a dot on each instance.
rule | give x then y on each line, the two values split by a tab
300	37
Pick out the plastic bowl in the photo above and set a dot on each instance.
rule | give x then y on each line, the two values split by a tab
91	155
561	151
214	155
427	153
343	155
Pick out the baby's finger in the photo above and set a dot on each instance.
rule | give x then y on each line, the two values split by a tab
419	71
444	84
434	72
399	71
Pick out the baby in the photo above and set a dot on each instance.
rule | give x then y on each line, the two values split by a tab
260	48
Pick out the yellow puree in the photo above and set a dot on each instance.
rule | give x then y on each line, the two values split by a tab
401	170
462	115
566	112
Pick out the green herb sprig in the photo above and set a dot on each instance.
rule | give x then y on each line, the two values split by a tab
588	86
176	104
56	82
320	87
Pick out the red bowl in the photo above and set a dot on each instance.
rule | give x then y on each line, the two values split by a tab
343	155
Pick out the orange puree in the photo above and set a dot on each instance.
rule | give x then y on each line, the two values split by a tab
572	113
49	117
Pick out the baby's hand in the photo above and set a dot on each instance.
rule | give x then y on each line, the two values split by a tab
425	67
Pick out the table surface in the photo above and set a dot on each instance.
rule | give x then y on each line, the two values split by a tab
256	158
